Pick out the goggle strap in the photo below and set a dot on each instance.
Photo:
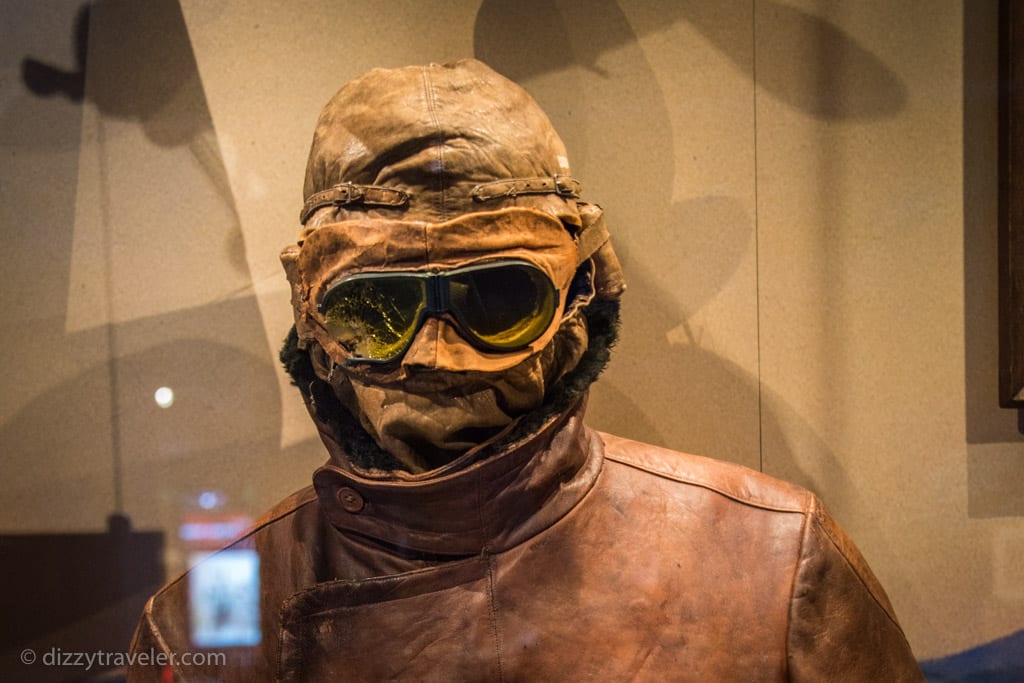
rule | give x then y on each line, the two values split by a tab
592	236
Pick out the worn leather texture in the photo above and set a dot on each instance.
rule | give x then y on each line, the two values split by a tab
572	555
435	132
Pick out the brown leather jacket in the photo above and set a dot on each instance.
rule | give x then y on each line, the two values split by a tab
572	556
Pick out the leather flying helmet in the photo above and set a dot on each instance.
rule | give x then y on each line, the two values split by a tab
444	256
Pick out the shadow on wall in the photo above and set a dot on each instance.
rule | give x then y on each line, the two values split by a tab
149	72
796	77
45	79
142	69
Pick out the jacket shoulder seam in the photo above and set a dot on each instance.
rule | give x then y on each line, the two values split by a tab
853	568
804	531
271	516
799	508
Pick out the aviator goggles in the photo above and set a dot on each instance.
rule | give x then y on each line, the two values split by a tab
498	306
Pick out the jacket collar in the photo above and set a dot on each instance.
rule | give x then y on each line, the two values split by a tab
475	504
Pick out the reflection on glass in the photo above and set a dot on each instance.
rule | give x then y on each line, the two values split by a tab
209	500
164	397
224	592
208	532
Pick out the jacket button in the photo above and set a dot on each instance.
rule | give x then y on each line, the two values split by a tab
349	499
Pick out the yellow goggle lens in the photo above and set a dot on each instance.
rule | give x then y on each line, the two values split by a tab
374	318
499	306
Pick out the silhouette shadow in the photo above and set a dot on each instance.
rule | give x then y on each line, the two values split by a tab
150	75
811	60
45	80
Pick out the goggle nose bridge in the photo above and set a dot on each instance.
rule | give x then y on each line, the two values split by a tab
438	297
438	302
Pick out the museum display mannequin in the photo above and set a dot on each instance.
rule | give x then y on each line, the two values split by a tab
454	297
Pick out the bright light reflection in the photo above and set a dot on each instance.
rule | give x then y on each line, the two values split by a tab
208	500
164	397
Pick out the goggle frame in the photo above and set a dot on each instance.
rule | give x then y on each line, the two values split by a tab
438	303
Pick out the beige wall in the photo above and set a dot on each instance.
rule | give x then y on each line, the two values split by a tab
802	194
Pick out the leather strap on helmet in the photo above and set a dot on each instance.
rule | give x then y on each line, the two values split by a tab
562	185
592	236
350	193
593	242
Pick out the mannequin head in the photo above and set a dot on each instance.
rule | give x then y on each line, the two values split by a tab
446	262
